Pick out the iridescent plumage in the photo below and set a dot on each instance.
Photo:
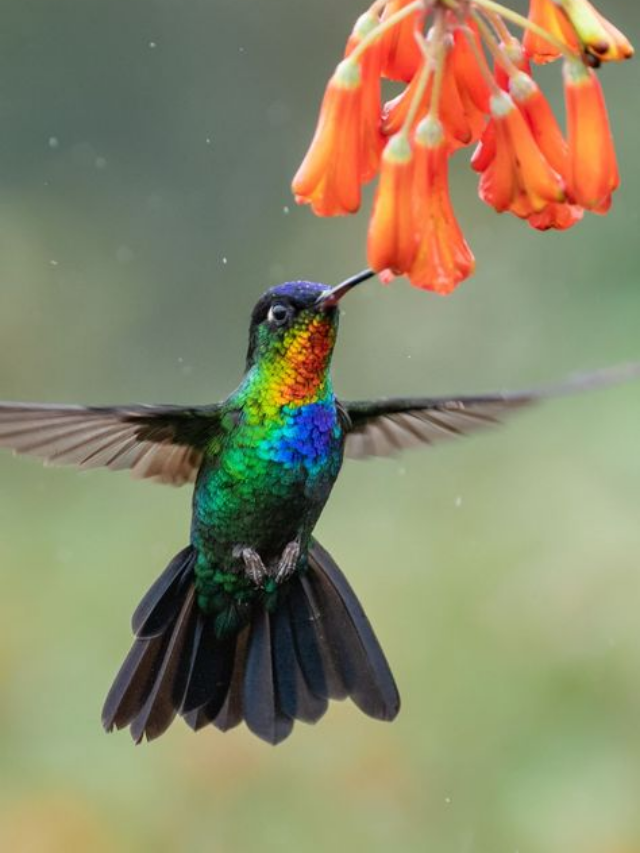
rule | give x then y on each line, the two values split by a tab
264	482
253	620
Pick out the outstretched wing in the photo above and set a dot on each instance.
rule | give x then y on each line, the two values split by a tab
384	427
164	443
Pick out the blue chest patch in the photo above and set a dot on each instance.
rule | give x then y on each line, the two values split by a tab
309	436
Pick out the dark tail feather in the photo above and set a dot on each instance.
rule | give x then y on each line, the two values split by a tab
350	639
166	694
260	699
150	686
133	682
231	715
296	697
160	605
283	666
210	669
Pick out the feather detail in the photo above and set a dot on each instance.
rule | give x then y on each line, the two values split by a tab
283	666
262	712
384	427
163	443
162	602
166	694
295	698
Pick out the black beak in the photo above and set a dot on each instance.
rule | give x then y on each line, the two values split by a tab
330	298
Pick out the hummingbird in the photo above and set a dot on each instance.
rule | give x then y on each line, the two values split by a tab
254	621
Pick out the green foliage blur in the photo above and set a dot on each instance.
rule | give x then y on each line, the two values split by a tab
145	158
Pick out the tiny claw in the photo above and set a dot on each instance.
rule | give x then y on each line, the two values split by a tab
254	568
288	561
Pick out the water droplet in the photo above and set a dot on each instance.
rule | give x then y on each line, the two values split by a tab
53	263
53	142
285	209
458	502
225	261
153	45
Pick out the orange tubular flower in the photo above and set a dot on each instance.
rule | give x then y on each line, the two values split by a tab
547	15
541	120
548	136
329	177
393	239
472	86
593	170
401	55
444	258
459	117
371	121
467	78
598	37
518	177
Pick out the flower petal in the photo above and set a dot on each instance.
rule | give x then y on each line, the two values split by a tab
371	119
329	177
593	170
541	120
546	14
556	216
598	36
444	258
392	240
518	178
401	55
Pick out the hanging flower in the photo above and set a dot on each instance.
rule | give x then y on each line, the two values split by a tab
401	53
541	121
330	176
468	81
444	258
372	140
393	238
593	170
518	177
598	37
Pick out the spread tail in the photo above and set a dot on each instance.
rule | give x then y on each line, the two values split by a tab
284	665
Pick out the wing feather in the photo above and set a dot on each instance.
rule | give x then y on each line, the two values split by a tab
382	427
163	443
422	423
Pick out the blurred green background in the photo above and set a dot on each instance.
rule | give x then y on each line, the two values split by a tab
145	157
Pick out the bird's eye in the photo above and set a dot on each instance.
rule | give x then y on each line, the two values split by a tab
279	314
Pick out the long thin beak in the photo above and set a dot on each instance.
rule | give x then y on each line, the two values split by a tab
330	298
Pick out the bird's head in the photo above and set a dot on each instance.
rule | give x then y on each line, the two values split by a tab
296	323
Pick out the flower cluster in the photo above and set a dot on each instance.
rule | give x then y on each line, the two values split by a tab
467	82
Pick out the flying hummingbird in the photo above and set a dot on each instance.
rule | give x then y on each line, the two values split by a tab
253	620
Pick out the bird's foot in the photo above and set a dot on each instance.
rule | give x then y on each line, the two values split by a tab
288	562
254	568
